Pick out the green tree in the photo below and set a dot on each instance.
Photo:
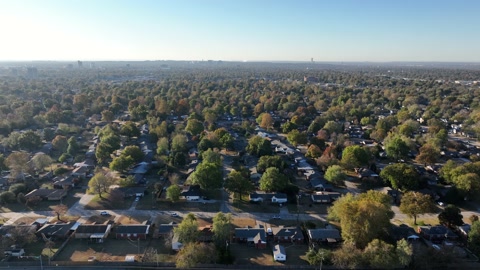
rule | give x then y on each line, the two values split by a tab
270	161
396	148
17	188
416	203
237	183
129	129
333	127
296	137
211	156
73	146
314	151
41	160
363	217
380	254
17	162
29	140
355	156
451	216
60	143
179	143
162	146
121	163
266	120
335	175
208	176
187	230
404	252
474	238
273	180
7	197
99	184
401	176
468	183
318	257
193	254
222	226
259	146
347	257
134	152
194	127
107	116
173	193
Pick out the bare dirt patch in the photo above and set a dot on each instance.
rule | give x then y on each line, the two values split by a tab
125	220
243	222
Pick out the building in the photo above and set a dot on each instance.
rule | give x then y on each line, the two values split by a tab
191	193
288	235
324	235
279	198
321	198
94	232
56	231
279	253
47	194
133	232
252	236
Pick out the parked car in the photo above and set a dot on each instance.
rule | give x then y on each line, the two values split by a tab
174	214
137	199
104	213
276	217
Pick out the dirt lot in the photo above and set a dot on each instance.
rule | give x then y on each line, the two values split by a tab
125	220
243	222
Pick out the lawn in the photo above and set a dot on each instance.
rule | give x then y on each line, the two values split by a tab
113	250
243	222
307	207
70	200
248	255
182	206
246	206
98	203
125	220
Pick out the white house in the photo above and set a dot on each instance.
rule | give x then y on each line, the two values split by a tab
191	193
279	198
279	253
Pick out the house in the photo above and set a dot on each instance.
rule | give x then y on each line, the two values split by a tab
81	171
205	234
94	232
255	197
288	235
328	235
252	236
191	193
279	198
176	244
47	194
279	253
55	231
132	191
66	182
164	230
436	233
321	198
317	183
133	232
403	232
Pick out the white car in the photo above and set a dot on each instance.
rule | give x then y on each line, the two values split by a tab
174	215
104	213
137	199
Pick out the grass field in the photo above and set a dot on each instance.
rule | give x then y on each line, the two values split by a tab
106	202
69	200
248	255
182	206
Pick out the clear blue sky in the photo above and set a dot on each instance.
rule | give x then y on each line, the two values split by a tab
253	30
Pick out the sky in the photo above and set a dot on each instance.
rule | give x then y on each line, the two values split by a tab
241	30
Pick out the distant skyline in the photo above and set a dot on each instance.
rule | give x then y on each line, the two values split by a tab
240	30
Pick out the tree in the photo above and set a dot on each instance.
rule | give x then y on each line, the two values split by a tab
173	193
59	210
363	217
208	176
29	140
428	154
401	176
296	137
99	184
107	116
273	180
17	162
222	226
416	203
129	129
179	143
195	253
270	161
187	230
60	143
7	197
313	151
468	183
238	184
41	160
121	163
162	146
355	156
17	188
396	148
380	254
404	252
333	127
335	175
73	146
266	120
451	216
134	152
194	127
474	238
347	257
318	257
211	156
259	146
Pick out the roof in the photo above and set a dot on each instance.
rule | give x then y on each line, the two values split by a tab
93	228
137	228
248	232
42	192
56	229
7	229
280	195
293	232
193	190
320	234
435	230
166	228
321	197
278	249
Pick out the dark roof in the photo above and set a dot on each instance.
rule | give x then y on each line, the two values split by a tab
56	229
131	190
280	195
435	230
92	228
255	195
292	232
402	232
166	228
193	190
132	229
42	192
321	197
248	232
319	234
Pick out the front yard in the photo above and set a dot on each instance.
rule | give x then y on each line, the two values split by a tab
248	255
107	202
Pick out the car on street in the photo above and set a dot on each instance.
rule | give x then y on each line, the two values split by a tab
174	214
104	213
137	199
276	217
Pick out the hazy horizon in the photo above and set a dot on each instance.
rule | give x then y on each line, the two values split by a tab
254	31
